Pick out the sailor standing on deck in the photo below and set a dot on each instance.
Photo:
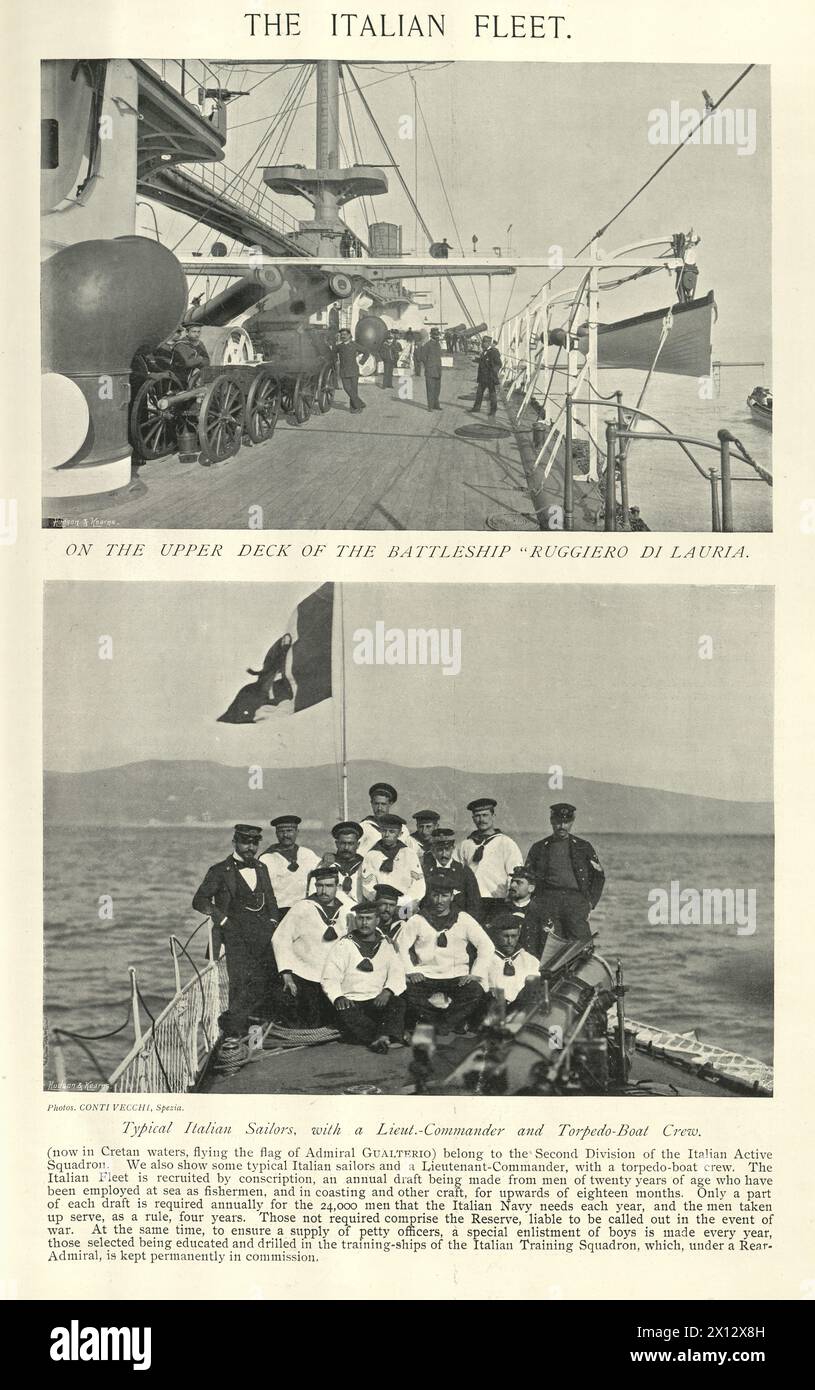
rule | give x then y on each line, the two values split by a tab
237	895
393	860
568	875
288	863
364	979
489	376
437	947
490	854
347	860
431	361
347	355
441	855
302	942
383	798
389	353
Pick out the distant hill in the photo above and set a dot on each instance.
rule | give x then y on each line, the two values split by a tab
177	792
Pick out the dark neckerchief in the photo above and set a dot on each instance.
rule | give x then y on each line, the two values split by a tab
366	949
289	854
347	870
386	867
442	926
329	918
509	968
482	839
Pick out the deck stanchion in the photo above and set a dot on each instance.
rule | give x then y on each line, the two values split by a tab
623	458
134	1005
727	482
611	469
715	514
568	472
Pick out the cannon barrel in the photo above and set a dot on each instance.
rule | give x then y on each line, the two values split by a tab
284	297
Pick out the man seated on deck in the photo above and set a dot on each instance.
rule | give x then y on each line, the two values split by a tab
364	979
289	864
302	943
512	970
446	955
442	855
237	895
393	860
569	878
347	860
490	854
389	915
347	355
534	923
383	798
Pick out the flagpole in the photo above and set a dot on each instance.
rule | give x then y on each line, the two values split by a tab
343	709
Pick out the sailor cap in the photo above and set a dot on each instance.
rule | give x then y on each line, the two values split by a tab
285	820
347	827
383	789
420	816
563	810
249	832
482	803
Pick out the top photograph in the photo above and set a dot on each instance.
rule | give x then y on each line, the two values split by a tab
373	296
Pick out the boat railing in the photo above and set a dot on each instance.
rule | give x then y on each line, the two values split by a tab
170	1054
250	194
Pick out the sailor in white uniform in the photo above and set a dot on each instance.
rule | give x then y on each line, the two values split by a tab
347	860
511	969
382	797
302	942
393	860
490	854
364	979
446	955
289	864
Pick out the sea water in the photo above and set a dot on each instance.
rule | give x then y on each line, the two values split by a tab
678	977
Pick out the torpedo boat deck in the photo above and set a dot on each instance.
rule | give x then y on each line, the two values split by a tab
396	466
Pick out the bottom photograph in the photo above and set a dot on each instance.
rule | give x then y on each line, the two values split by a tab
445	839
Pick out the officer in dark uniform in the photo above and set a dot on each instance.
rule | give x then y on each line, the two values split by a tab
568	876
389	353
237	895
431	361
489	376
346	355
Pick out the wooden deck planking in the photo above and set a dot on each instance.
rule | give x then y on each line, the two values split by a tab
396	466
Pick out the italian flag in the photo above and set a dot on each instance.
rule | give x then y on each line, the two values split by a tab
296	670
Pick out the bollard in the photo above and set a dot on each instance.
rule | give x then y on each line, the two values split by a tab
568	472
611	490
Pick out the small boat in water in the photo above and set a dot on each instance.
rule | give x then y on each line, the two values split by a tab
760	401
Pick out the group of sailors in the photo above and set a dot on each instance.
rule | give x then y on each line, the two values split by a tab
421	356
390	928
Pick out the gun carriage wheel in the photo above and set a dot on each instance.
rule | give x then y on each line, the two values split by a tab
326	387
154	421
220	420
262	407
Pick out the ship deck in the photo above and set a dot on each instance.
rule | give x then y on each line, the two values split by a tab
339	1069
394	467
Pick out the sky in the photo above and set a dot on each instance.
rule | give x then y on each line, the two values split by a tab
604	681
554	149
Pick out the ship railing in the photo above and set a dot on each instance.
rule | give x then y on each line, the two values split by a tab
617	510
170	1055
250	195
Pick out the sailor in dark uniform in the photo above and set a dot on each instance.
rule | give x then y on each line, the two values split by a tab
346	356
364	979
568	875
389	353
431	361
488	377
237	895
442	855
347	860
382	797
534	924
426	822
